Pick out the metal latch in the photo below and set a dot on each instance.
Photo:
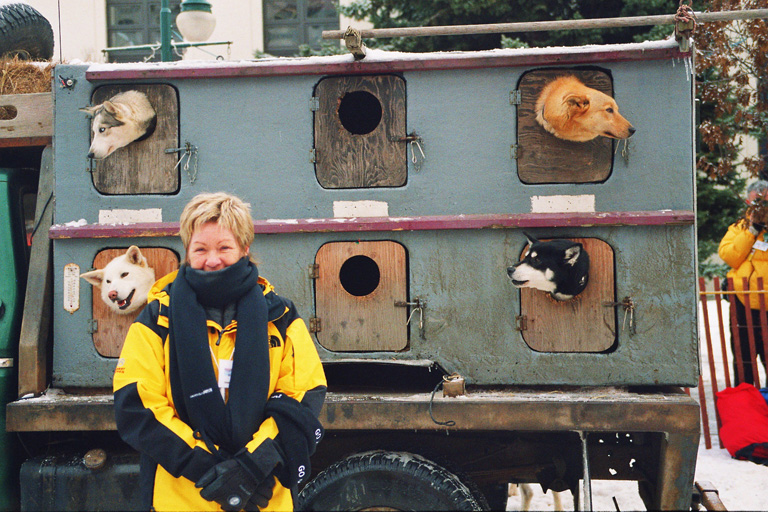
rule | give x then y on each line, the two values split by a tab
314	324
314	271
417	305
521	323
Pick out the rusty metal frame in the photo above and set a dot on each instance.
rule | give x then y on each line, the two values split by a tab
668	411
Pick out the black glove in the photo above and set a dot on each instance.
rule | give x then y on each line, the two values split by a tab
261	496
229	484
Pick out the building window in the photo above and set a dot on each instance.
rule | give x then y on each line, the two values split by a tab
291	23
137	22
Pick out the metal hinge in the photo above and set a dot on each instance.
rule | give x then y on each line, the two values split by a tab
521	323
313	155
314	103
513	151
314	271
314	324
515	97
93	326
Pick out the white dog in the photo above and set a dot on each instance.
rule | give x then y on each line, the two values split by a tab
125	281
122	119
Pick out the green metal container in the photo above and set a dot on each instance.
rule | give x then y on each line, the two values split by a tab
17	187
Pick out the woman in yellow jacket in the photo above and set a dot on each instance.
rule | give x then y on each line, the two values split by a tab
219	383
745	249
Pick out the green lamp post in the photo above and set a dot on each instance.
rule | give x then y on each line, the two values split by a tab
195	22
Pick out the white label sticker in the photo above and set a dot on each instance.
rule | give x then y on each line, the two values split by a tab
71	287
563	204
360	209
760	246
121	216
225	373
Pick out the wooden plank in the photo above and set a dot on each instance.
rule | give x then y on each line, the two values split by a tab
355	294
370	156
111	328
542	157
582	324
418	223
33	121
36	321
142	167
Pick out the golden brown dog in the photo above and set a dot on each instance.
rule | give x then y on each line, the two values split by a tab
570	110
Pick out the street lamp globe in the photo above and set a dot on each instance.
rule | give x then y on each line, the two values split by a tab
195	21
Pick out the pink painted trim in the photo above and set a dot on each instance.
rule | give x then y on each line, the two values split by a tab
369	224
312	67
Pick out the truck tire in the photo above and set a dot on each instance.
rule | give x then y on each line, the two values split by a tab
380	480
24	32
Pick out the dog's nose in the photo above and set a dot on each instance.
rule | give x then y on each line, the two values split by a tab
112	294
631	130
90	155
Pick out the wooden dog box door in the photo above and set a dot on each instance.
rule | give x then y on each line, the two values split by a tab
109	328
356	289
542	157
359	126
583	324
142	167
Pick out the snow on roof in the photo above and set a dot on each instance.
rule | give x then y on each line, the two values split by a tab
378	56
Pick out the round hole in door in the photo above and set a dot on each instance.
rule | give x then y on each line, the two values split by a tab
359	275
359	112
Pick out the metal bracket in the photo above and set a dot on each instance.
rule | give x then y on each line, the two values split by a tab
315	324
515	97
587	478
521	323
314	271
313	156
314	103
93	326
513	149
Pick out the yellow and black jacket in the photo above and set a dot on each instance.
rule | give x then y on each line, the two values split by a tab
172	457
746	259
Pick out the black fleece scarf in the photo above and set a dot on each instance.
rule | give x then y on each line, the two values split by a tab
193	381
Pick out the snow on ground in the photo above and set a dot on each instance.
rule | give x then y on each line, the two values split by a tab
742	485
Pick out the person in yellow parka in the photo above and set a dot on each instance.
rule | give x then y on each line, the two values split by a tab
745	249
219	384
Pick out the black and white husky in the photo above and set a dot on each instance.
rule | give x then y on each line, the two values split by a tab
560	267
122	119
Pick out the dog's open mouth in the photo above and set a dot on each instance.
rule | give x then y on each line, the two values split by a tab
125	303
518	283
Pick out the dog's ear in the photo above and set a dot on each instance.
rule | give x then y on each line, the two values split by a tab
95	277
531	239
111	108
90	110
577	104
134	256
572	254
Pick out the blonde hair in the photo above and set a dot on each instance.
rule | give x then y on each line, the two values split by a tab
226	210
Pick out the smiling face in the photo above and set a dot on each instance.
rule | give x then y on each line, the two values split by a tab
213	247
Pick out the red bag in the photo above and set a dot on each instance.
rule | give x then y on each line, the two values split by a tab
744	417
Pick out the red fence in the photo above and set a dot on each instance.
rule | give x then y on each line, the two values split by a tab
721	345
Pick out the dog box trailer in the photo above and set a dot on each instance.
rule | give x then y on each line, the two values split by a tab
390	195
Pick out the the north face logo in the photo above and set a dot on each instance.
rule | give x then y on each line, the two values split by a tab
274	341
